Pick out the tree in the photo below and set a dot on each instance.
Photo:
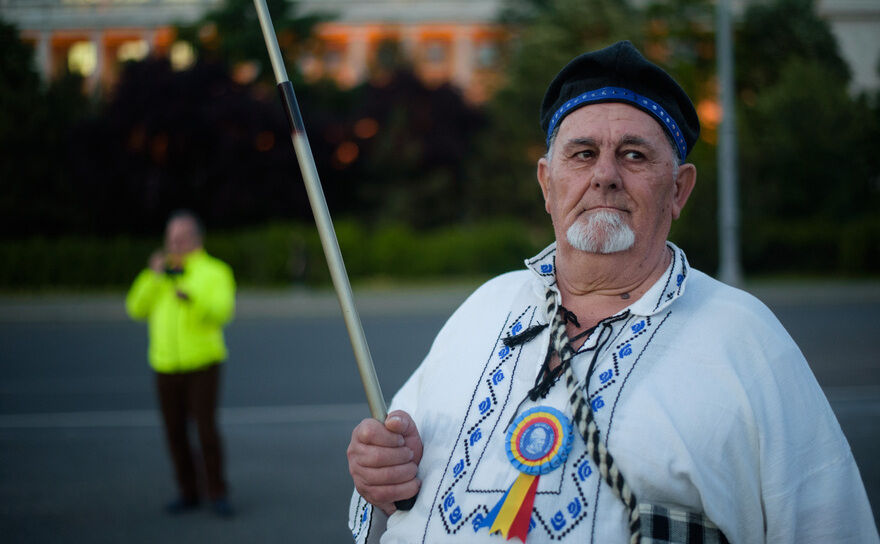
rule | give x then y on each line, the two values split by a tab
231	34
35	190
194	139
412	169
808	148
775	33
213	138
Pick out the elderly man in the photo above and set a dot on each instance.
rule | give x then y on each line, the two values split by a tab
676	408
187	297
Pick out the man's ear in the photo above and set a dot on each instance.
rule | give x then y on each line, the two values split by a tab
684	184
543	180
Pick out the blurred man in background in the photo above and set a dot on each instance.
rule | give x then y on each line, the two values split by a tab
186	296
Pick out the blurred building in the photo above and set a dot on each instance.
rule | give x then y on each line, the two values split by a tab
453	41
856	25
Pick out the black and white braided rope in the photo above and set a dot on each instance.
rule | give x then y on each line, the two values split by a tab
582	416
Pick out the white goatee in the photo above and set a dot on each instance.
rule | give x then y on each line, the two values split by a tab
602	232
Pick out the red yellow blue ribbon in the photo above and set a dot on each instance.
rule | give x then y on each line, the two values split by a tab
538	442
514	510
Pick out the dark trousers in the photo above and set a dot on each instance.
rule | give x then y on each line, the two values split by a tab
193	395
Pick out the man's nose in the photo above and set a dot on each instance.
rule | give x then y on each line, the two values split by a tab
606	174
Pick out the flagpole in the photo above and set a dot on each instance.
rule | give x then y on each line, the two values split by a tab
326	232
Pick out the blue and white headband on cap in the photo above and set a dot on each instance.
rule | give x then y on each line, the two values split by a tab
620	73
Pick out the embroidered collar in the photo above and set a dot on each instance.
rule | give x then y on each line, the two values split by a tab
665	290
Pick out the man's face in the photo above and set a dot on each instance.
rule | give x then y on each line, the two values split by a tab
181	237
611	171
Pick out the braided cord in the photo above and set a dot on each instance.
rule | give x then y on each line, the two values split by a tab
585	422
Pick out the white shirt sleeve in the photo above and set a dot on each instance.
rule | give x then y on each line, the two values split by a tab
811	488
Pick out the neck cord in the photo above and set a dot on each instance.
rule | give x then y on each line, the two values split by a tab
582	414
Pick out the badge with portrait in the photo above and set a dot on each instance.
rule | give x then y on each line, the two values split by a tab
538	442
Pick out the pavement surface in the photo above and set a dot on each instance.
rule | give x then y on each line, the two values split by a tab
82	457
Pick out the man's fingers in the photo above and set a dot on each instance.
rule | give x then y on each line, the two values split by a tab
378	457
385	476
385	494
400	422
383	460
371	432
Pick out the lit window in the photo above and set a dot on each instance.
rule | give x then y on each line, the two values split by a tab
332	59
487	55
182	55
245	72
82	58
134	50
435	52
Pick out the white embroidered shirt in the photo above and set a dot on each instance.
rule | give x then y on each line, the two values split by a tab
702	397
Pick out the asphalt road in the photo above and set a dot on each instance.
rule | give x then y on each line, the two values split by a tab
81	451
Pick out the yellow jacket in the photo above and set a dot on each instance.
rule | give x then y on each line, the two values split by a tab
185	335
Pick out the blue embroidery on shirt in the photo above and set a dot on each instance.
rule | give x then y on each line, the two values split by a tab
584	470
574	507
516	328
558	520
485	405
625	350
476	436
597	403
449	502
638	326
497	377
455	517
546	268
456	470
505	351
605	376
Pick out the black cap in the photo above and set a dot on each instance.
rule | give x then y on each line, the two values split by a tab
620	73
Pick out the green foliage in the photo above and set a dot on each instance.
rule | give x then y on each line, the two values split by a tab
20	81
808	148
778	32
841	248
412	170
71	262
696	231
808	160
280	254
34	126
679	38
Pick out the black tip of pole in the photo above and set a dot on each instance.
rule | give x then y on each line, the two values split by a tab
405	504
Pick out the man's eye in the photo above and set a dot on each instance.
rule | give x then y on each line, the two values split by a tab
585	154
634	155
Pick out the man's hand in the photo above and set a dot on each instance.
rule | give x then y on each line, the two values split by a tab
384	459
157	261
